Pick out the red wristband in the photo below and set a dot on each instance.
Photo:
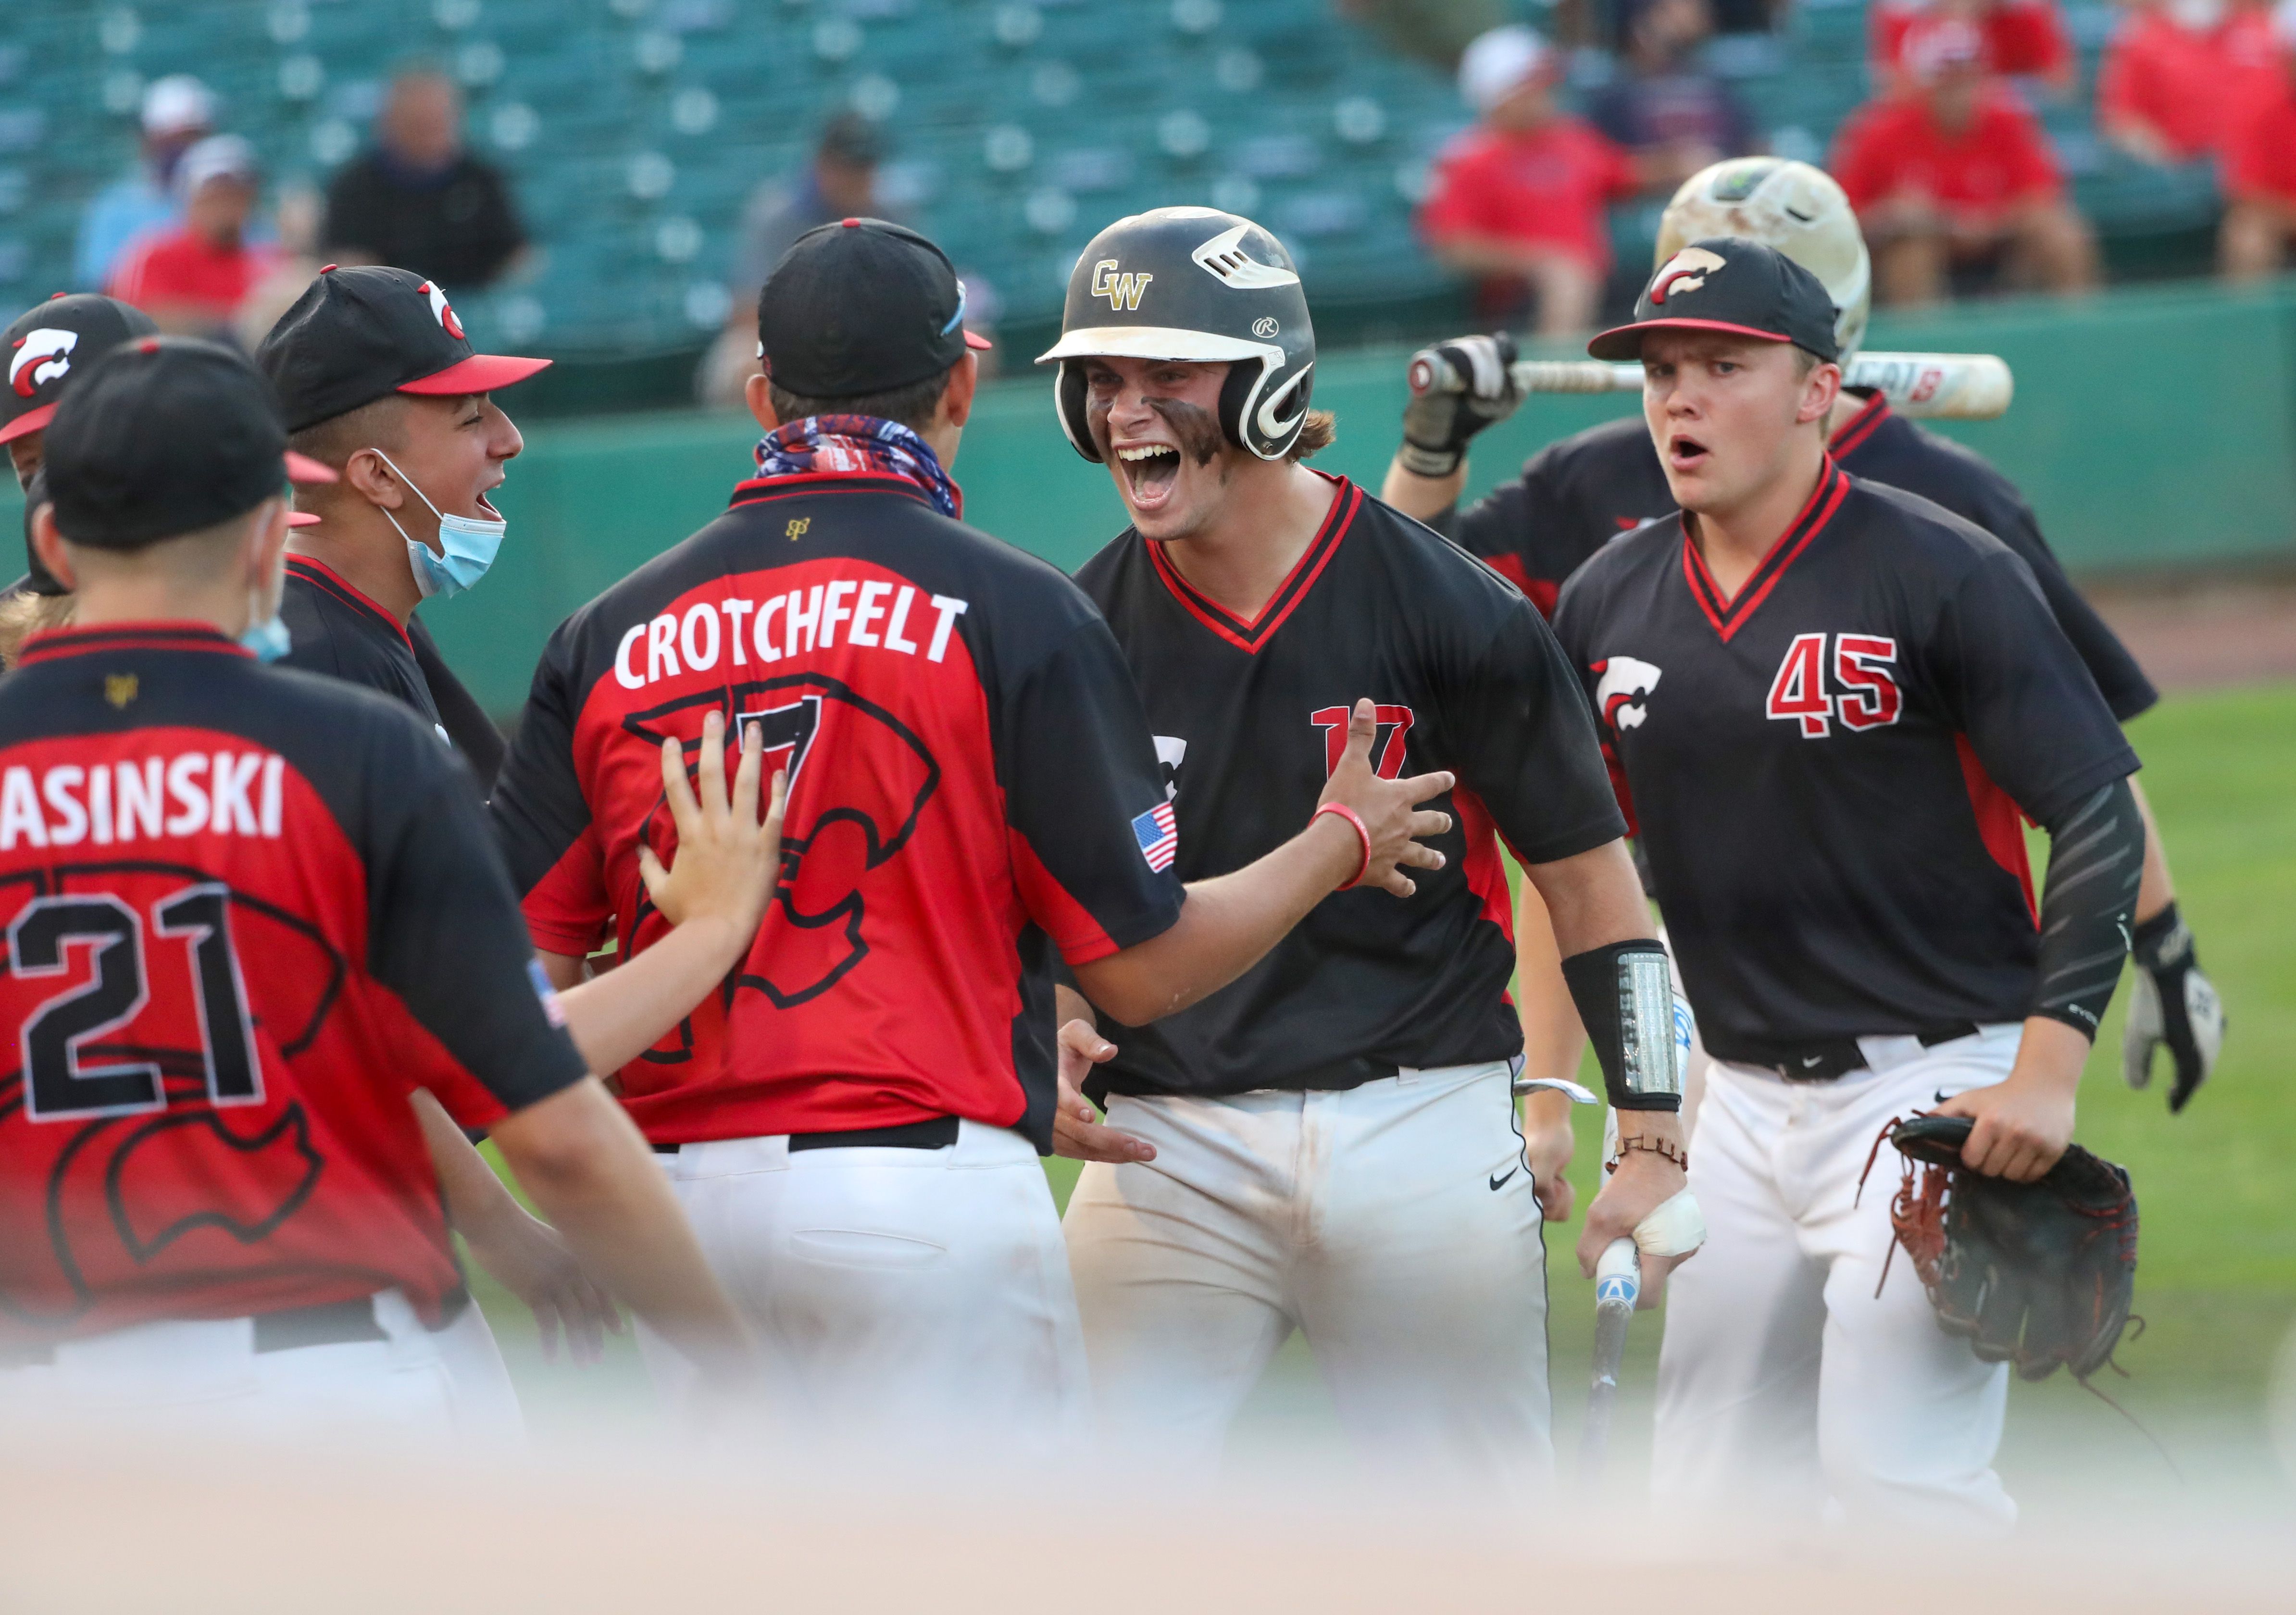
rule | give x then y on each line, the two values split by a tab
1344	811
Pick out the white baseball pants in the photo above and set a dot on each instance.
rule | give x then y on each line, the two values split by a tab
1783	1379
919	1295
206	1379
1394	1224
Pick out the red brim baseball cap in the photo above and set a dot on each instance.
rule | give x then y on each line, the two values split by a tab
24	425
361	333
302	467
303	519
1731	285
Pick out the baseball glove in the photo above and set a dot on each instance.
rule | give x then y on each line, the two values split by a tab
2039	1274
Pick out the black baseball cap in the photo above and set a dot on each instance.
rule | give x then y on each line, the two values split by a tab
357	334
49	343
860	306
167	435
1728	283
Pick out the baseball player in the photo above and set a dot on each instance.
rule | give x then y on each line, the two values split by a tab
1828	702
378	382
241	903
1577	494
1331	1143
46	346
854	1122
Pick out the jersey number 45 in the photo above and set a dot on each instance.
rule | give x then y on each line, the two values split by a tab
1865	686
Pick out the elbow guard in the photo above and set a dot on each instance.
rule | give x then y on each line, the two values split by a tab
1625	995
2096	858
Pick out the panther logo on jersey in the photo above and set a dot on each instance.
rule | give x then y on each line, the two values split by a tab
831	843
1619	695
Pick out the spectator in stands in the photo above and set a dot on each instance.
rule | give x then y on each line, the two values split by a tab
1664	106
1954	178
1437	31
2259	169
1518	202
839	183
2178	74
2023	38
192	276
417	200
178	112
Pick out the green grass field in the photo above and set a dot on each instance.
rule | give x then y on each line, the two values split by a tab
2217	1185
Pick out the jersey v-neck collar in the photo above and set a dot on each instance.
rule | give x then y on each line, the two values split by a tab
1729	614
1248	635
319	575
58	643
1859	427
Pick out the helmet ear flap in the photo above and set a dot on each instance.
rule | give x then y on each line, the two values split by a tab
1244	393
1068	394
1243	381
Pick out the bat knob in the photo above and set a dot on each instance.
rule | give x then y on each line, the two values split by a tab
1421	376
1618	1273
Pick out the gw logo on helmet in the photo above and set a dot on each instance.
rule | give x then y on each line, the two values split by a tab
1121	290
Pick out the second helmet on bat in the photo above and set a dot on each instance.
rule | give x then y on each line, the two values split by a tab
1791	207
1198	284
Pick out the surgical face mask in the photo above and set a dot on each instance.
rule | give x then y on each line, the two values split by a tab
471	545
266	638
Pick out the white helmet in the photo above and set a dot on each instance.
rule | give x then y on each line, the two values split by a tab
1791	206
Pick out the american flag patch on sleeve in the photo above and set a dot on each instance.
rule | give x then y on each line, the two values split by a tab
1159	835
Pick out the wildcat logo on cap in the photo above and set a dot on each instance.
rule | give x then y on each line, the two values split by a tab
443	310
42	357
1687	269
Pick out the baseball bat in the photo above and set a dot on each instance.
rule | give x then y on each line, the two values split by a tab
1925	386
1618	1284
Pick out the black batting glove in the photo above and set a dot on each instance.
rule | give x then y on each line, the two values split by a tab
2172	1005
1457	387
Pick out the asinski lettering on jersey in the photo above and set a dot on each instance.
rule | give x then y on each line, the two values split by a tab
874	612
189	794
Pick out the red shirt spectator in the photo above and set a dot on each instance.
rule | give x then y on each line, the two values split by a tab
2026	37
2176	77
2259	153
1975	175
190	277
1549	185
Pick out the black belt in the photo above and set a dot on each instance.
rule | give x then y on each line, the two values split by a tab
328	1323
937	1134
1829	1058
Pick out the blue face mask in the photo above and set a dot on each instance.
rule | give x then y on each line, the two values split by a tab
267	638
471	545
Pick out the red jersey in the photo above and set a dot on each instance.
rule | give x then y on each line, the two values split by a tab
2021	37
1548	186
175	266
2259	154
2190	85
247	911
1896	148
972	790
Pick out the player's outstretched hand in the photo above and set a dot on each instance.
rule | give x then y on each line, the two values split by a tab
1388	809
727	860
1078	1132
529	1259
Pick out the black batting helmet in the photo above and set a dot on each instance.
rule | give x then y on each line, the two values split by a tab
1193	284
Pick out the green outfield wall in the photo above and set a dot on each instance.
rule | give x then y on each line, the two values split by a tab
2151	430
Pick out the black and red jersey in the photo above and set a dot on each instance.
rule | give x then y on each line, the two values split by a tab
337	630
1250	719
967	761
1826	768
247	911
1577	494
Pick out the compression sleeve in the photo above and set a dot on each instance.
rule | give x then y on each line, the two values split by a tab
1625	997
2096	858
